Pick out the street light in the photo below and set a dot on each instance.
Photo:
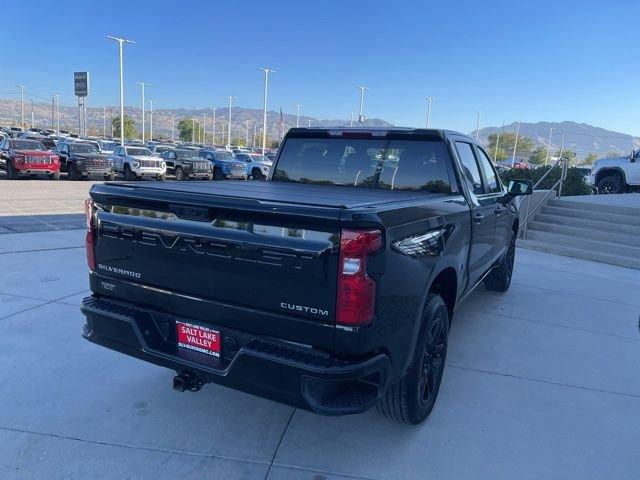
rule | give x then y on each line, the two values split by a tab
121	42
515	146
230	98
478	115
546	160
351	121
266	71
298	114
361	114
21	87
429	100
143	84
213	139
246	139
104	122
151	129
57	113
204	128
173	122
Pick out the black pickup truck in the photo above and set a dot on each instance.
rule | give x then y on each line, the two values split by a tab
329	287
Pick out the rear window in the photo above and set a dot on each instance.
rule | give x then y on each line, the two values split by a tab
388	164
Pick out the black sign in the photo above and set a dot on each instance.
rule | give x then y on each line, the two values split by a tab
81	84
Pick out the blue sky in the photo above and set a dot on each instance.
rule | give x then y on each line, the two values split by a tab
526	60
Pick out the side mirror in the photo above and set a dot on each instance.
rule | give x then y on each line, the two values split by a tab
632	157
517	188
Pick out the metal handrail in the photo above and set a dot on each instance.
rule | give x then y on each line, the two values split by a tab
563	163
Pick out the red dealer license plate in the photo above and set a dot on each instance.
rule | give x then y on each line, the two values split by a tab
198	338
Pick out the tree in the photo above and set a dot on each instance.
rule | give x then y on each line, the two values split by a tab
538	156
568	154
185	127
129	127
507	141
590	158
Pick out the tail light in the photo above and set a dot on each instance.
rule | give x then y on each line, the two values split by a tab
89	209
356	290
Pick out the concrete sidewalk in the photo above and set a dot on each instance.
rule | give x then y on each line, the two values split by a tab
541	382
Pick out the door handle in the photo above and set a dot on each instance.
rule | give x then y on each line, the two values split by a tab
499	210
478	217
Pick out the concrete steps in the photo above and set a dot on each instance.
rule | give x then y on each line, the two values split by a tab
591	231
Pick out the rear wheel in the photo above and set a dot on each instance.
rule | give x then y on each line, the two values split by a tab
217	174
500	279
129	175
610	184
73	172
412	399
256	174
12	173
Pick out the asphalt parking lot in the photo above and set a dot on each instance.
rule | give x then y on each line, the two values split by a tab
541	382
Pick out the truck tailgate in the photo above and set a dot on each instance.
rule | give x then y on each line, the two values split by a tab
276	259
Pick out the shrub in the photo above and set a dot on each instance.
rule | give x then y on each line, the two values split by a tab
574	184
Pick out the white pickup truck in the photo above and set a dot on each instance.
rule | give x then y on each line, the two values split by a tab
138	162
616	175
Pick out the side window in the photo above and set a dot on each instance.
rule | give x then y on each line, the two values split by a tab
489	173
469	167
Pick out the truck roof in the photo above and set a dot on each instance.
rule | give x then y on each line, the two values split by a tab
376	131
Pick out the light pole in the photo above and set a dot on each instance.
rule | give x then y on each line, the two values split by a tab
429	100
151	121
546	160
213	142
121	42
266	71
515	146
309	123
230	98
104	122
246	138
495	153
361	114
143	84
253	138
57	113
351	121
173	122
298	114
21	87
193	130
204	128
478	115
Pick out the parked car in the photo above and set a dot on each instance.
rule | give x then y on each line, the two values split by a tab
616	175
107	146
225	166
158	148
83	159
185	164
28	157
257	165
138	162
330	288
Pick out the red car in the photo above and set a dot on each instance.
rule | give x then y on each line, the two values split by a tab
28	157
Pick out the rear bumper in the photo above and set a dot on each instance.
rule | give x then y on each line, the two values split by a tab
292	374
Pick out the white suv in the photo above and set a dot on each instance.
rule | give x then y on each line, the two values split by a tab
138	162
616	175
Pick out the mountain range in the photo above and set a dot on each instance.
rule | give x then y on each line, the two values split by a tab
162	119
579	137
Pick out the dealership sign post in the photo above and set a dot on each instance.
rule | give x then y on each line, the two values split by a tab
81	90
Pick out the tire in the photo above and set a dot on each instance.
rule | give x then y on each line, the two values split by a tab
256	174
11	171
54	176
161	178
110	177
180	176
73	172
217	174
500	279
610	184
413	397
129	175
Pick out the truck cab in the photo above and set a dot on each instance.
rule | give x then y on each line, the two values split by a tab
617	174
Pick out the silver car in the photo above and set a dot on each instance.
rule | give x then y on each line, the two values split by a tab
138	162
